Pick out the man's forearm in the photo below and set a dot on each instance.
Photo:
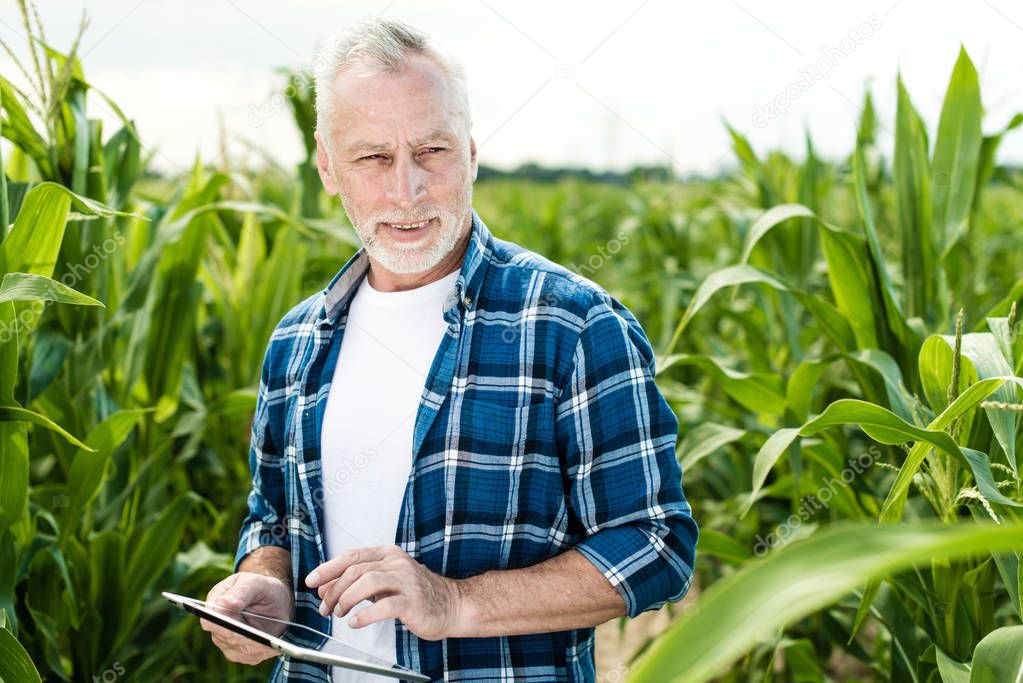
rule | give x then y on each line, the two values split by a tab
563	592
269	560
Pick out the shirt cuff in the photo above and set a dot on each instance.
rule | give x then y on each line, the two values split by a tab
649	565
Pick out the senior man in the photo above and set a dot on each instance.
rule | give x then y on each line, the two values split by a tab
460	460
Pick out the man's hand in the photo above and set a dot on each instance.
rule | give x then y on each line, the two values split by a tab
398	586
253	592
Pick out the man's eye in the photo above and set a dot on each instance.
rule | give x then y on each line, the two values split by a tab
372	156
434	149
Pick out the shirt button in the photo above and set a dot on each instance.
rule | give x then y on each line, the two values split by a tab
467	301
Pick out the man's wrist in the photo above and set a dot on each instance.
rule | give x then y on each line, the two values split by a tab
464	607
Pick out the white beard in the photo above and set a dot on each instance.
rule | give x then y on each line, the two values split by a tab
398	258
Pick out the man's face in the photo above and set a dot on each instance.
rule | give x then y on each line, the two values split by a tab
398	151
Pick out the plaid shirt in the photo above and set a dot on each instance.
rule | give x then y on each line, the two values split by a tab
540	429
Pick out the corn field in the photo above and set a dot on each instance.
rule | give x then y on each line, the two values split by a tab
841	340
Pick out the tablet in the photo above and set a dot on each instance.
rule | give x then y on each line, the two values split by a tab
282	635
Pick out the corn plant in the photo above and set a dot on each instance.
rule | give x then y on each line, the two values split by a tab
894	370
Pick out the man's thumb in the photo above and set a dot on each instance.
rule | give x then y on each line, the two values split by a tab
240	593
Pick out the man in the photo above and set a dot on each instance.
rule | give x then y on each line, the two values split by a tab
458	451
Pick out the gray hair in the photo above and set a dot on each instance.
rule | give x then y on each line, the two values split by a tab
379	45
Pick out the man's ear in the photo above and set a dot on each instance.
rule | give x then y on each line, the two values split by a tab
473	160
330	183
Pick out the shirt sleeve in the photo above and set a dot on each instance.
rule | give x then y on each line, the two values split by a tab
265	524
617	435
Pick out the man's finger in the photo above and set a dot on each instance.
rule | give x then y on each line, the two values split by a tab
370	583
386	608
326	586
332	591
335	567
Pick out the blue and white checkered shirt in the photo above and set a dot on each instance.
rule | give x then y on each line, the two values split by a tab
540	429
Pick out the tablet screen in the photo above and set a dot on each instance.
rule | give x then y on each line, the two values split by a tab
288	631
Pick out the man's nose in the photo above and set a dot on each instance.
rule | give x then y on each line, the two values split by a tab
407	182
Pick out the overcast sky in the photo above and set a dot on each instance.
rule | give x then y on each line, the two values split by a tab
564	83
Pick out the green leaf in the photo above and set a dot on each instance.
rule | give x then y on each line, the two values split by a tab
935	366
15	664
980	465
870	593
704	439
9	348
16	414
769	219
796	581
765	460
34	241
879	423
1009	568
981	349
29	287
911	176
1007	340
999	657
759	391
956	154
9	558
13	472
951	671
722	546
719	279
852	283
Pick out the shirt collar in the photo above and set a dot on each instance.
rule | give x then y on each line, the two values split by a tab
470	277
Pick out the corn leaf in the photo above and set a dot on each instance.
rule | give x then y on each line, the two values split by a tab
747	607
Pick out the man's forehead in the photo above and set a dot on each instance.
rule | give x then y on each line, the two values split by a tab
418	82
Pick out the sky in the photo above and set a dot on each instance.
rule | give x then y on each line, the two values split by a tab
601	85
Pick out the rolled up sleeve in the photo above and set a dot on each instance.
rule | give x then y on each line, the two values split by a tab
265	523
617	435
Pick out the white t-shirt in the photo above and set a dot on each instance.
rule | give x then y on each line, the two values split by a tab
388	346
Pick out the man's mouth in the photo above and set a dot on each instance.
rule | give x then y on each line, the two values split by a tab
410	228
